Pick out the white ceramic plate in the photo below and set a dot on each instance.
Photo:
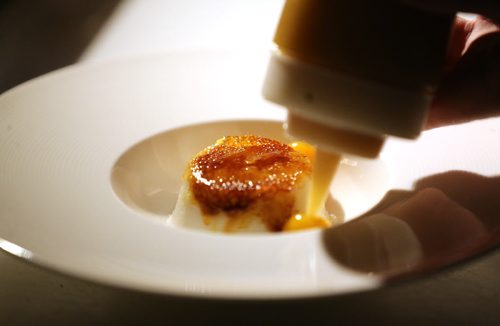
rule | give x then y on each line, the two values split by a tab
63	135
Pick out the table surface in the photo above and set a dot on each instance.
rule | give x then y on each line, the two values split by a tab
461	295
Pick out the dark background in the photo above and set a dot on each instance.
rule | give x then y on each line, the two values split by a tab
42	35
463	295
37	36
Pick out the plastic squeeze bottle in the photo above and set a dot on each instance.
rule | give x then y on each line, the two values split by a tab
351	72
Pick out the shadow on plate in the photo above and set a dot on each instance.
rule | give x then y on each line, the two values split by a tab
447	218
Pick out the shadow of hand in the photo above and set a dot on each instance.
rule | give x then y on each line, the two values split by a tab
447	218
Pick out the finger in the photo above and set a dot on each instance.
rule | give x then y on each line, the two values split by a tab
459	35
472	89
469	91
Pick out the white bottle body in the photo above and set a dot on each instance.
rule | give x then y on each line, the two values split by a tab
351	72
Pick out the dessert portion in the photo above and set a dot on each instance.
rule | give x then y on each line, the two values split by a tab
244	184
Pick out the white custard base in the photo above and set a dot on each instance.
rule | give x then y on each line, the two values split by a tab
188	214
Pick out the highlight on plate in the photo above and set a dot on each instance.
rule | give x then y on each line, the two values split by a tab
249	184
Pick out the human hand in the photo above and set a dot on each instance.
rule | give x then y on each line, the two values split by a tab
470	88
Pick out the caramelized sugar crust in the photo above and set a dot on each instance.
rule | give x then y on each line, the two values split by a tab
248	174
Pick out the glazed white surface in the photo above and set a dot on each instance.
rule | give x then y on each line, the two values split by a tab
61	135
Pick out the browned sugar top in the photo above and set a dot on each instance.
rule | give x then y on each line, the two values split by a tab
237	170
